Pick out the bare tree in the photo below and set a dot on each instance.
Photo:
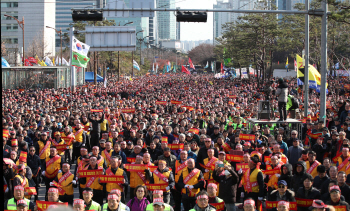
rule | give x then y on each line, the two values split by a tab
201	53
3	48
37	46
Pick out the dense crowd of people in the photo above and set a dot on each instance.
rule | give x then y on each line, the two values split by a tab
176	142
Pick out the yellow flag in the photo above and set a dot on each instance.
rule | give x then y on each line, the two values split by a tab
43	63
53	62
299	62
211	83
287	61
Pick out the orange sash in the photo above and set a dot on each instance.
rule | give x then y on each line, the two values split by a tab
191	175
161	176
110	173
44	148
343	163
92	179
313	166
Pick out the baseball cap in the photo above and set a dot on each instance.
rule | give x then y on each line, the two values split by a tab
158	201
22	202
283	182
334	188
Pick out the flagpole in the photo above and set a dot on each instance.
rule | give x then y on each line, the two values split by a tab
72	75
306	67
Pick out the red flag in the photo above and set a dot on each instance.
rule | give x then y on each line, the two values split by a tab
27	63
191	64
185	70
32	60
222	69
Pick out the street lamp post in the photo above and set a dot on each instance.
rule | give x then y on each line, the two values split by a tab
60	33
141	40
132	58
21	24
118	51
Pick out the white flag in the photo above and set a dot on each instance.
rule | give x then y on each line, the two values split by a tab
134	63
153	67
64	62
105	82
80	47
48	62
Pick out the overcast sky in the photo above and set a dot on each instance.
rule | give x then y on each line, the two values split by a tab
197	31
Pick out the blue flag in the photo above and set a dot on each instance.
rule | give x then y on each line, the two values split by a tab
4	63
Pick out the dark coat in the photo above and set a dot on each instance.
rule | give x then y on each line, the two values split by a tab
313	194
228	186
287	177
345	191
327	197
34	163
340	203
298	178
273	197
203	153
318	182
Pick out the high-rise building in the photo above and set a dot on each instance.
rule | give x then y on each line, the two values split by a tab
166	20
178	31
64	14
37	14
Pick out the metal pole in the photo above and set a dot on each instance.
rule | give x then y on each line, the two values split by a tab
132	64
306	72
61	47
95	69
118	67
323	61
200	10
23	39
140	55
71	31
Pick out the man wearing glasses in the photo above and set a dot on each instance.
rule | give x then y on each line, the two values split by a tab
282	193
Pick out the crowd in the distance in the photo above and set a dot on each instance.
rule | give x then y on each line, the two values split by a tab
175	142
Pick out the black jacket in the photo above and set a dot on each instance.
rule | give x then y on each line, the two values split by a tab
345	191
298	178
96	127
327	197
313	193
34	163
289	196
340	203
287	177
228	186
318	182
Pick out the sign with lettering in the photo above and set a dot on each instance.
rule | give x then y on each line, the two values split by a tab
111	179
153	187
128	110
246	137
90	173
234	158
44	205
273	204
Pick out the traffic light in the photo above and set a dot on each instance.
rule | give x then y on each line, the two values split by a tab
87	15
191	16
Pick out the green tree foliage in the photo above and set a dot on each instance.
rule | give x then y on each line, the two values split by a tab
258	39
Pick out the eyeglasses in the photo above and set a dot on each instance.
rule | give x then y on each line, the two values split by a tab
207	141
281	186
140	191
32	150
294	134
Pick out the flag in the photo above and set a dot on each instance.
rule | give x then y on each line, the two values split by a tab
53	62
314	78
168	67
295	66
136	66
153	67
42	63
32	60
206	66
48	62
157	68
4	63
80	47
337	66
287	64
27	63
226	60
79	60
191	64
37	60
222	69
64	62
105	82
185	70
212	66
300	62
